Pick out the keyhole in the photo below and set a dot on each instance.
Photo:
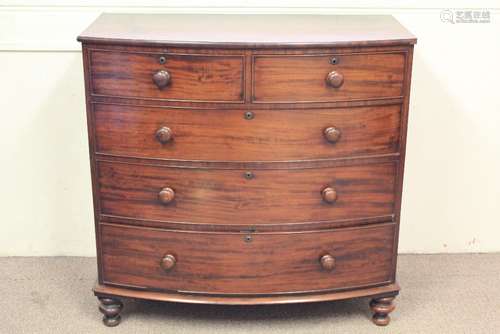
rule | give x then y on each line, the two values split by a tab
249	175
249	115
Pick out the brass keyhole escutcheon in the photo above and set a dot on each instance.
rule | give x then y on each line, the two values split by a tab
334	61
162	60
249	115
249	175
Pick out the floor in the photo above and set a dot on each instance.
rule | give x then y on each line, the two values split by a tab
440	294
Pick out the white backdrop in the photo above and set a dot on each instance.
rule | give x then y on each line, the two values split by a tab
452	184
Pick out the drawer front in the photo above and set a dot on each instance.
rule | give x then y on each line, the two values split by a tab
180	77
211	196
233	263
228	135
316	79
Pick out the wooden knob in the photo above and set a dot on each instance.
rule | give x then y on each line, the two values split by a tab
161	78
327	262
168	262
166	195
164	135
332	134
335	79
329	195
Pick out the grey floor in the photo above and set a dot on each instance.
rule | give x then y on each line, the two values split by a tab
441	294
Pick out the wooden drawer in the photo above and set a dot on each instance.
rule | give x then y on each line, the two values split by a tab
304	78
234	263
190	77
226	135
217	196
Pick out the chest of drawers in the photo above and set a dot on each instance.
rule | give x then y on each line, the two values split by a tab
246	159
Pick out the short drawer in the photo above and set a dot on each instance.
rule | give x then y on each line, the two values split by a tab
229	196
239	135
327	78
234	263
167	76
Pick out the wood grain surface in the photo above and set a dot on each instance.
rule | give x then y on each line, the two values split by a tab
229	263
247	31
303	78
228	196
391	289
225	135
192	77
243	159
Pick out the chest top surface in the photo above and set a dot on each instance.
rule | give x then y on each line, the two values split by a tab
247	31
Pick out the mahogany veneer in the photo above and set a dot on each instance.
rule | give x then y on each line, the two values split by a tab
351	76
193	77
227	196
225	135
247	159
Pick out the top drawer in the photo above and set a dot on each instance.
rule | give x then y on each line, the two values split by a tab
327	78
176	77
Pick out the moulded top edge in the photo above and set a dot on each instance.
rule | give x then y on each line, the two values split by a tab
247	31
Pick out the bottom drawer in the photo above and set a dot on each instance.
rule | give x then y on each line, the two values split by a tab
238	263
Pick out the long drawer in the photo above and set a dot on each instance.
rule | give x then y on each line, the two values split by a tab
218	196
234	263
327	78
239	135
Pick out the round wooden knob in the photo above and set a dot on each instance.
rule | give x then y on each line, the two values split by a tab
335	79
332	134
329	195
161	78
168	262
327	262
164	135
166	195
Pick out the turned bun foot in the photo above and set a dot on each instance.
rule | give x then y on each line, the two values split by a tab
111	308
381	307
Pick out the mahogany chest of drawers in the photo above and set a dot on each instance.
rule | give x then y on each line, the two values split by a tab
246	159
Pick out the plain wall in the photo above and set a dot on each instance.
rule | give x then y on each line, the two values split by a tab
452	182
